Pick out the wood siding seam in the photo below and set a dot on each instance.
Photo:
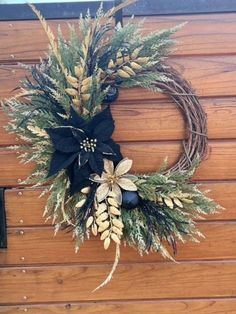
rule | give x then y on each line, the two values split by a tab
41	273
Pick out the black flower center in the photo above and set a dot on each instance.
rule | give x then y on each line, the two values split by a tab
88	144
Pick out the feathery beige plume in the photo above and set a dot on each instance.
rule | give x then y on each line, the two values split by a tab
51	38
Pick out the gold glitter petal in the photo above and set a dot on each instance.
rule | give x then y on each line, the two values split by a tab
117	192
131	177
127	184
96	178
123	167
102	192
108	166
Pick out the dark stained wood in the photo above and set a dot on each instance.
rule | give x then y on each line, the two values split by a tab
24	207
161	280
157	120
185	306
26	40
40	246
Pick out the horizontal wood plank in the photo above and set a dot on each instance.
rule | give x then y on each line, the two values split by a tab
156	121
24	207
221	156
21	203
204	280
145	281
127	307
26	40
209	76
28	246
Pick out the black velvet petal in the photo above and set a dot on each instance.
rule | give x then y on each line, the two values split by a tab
116	149
60	161
83	158
103	131
76	120
100	117
105	149
78	134
78	177
63	140
77	151
96	163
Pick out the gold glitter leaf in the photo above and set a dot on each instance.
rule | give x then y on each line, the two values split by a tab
177	202
108	166
119	224
102	217
123	74
107	243
123	166
117	230
105	234
71	92
112	202
103	226
128	70
89	221
80	203
94	229
136	66
114	211
78	71
86	190
169	202
101	208
115	238
127	184
102	192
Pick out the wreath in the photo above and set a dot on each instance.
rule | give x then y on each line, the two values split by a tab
63	115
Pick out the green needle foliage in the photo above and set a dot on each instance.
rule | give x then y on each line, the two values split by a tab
78	74
167	211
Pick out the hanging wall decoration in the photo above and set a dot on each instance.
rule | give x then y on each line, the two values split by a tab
63	116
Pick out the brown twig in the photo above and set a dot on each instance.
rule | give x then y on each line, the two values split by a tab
181	92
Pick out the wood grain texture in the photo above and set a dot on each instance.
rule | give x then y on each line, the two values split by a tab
209	76
25	208
157	121
131	281
221	156
25	40
40	246
209	306
52	278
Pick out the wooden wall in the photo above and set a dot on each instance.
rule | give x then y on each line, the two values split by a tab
41	274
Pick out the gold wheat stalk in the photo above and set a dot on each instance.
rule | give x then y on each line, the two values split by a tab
51	38
109	277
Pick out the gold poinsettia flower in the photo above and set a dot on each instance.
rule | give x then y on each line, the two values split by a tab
113	179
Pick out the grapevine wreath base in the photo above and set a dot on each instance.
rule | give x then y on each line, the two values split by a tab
63	116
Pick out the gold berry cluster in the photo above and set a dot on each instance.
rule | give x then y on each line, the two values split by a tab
126	65
107	221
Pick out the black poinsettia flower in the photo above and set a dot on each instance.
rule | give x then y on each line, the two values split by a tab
80	147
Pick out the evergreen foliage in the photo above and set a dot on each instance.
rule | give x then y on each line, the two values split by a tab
76	77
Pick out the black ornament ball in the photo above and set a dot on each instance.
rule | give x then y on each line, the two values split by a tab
111	95
130	199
